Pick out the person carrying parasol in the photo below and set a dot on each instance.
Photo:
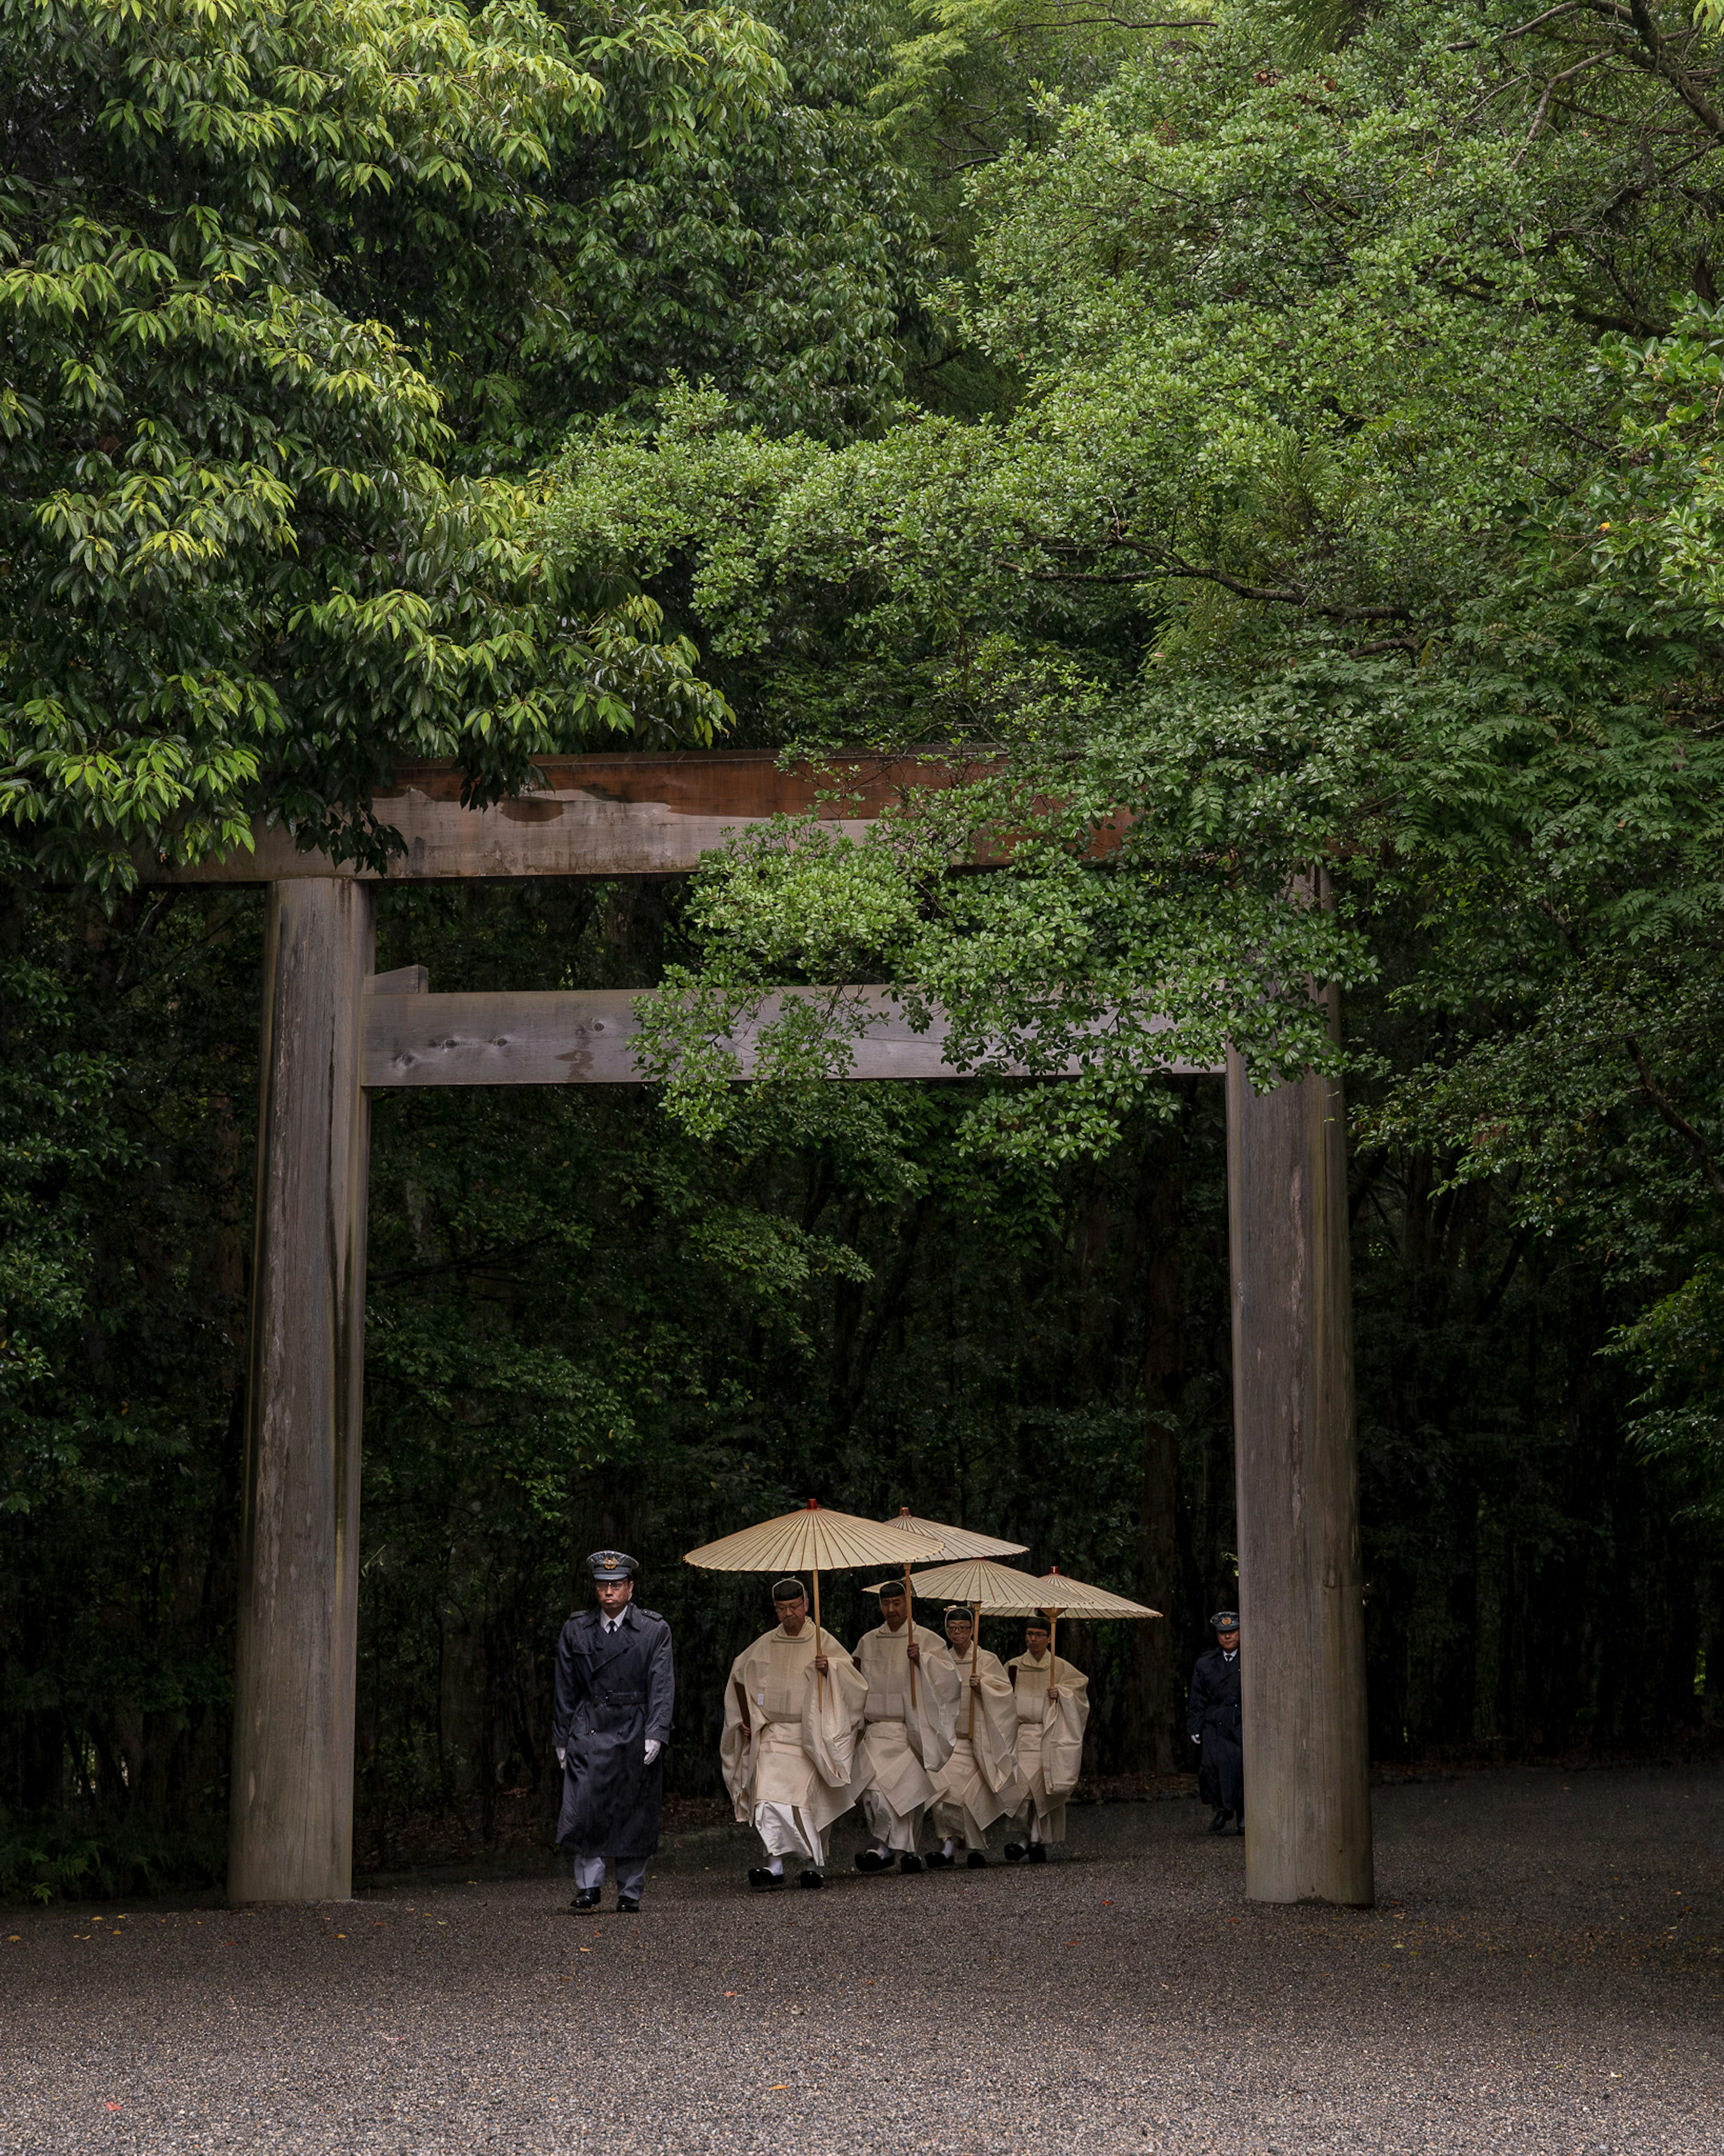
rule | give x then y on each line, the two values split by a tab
979	1783
1053	1702
908	1730
794	1710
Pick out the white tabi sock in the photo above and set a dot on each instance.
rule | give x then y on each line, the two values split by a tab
948	1845
777	1868
880	1849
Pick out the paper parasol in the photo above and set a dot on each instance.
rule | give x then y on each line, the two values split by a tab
821	1540
993	1588
1073	1598
954	1541
836	1541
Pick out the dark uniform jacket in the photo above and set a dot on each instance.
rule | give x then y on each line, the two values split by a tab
1215	1716
613	1692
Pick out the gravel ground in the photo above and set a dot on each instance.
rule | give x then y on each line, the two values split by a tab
1545	1973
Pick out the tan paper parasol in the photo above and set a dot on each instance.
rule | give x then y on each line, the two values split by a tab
954	1542
821	1540
1073	1598
994	1588
984	1585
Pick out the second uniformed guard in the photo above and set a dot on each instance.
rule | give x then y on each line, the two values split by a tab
1215	1723
616	1685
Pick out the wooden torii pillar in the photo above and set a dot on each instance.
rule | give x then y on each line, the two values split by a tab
334	1031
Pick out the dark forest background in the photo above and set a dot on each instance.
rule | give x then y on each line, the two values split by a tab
585	1328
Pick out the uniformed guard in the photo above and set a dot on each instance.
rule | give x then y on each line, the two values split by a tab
616	1685
1215	1723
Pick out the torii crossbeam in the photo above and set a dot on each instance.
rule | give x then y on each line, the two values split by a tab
333	1031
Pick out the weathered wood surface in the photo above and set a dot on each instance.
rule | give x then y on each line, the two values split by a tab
1307	1792
586	1037
595	816
291	1808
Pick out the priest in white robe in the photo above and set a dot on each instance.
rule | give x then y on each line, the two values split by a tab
793	1715
1053	1703
909	1726
979	1783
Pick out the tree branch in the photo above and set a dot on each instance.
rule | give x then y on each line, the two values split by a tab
1678	1121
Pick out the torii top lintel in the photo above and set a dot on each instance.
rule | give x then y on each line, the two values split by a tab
592	816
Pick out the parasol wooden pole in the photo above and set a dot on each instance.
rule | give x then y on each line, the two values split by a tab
909	1628
820	1680
975	1642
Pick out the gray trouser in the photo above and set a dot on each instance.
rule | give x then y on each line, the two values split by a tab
631	1874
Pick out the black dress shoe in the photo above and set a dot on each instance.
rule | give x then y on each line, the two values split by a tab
909	1860
810	1878
1240	1828
975	1860
937	1860
1015	1852
1219	1824
761	1879
585	1897
629	1905
870	1860
1037	1853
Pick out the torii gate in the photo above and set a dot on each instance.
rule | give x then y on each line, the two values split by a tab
333	1031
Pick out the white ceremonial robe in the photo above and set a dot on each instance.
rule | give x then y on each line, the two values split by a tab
1050	1741
789	1741
905	1740
979	1783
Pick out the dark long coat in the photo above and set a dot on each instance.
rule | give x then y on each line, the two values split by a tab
613	1692
1216	1717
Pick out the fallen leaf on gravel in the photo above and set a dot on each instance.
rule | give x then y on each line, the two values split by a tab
729	1994
113	2107
778	2088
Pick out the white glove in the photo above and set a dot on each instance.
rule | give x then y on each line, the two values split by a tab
653	1749
1197	1740
563	1758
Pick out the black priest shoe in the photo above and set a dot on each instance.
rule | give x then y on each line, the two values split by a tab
1015	1852
870	1860
762	1881
937	1860
975	1860
1038	1853
810	1878
585	1897
1219	1824
908	1860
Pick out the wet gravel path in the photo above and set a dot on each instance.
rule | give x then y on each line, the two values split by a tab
1546	1973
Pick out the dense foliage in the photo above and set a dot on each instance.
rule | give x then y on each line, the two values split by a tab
1279	442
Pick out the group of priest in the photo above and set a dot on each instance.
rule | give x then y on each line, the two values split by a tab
913	1726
